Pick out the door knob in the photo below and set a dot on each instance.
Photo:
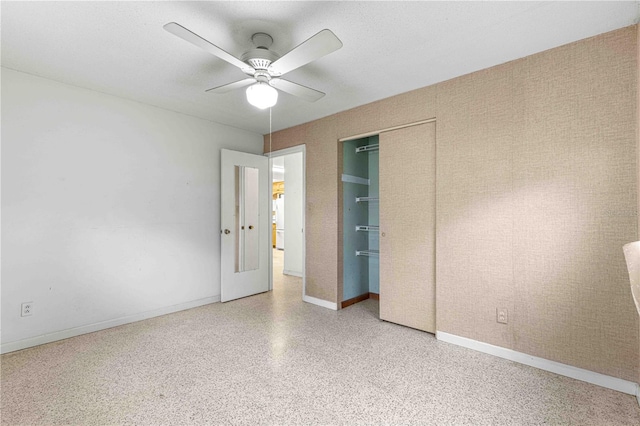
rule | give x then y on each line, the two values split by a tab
226	231
250	226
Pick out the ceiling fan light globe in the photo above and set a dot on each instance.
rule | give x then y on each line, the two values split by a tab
261	95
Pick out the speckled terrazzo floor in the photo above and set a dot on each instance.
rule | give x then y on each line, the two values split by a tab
272	359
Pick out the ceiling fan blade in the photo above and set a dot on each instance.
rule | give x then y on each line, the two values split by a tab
296	89
314	48
231	86
195	39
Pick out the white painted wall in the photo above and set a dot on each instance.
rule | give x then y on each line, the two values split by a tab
293	208
110	209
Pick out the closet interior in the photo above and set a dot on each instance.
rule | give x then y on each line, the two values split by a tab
361	239
388	242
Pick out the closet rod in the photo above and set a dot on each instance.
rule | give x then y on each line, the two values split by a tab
388	129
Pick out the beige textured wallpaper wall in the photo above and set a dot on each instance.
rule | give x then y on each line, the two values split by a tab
536	195
537	191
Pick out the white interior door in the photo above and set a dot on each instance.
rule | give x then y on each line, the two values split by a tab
245	219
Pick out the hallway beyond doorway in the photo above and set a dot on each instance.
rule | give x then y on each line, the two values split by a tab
280	280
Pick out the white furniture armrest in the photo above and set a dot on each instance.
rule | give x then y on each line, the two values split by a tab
632	254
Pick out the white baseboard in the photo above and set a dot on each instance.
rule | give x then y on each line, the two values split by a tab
603	380
90	328
320	302
293	273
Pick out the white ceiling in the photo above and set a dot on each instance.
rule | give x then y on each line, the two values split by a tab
120	47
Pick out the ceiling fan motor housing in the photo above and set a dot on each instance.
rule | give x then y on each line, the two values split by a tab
261	57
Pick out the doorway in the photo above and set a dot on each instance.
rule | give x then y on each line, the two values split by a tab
287	237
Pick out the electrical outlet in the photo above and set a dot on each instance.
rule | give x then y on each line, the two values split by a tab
502	315
27	309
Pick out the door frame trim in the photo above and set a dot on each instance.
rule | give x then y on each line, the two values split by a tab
302	148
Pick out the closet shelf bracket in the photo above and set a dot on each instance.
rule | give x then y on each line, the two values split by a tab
366	199
367	148
367	228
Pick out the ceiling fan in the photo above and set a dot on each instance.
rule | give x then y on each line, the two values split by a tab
265	67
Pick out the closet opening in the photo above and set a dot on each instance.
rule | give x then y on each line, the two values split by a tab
361	240
388	223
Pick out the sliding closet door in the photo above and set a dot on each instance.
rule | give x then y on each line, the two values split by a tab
407	226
